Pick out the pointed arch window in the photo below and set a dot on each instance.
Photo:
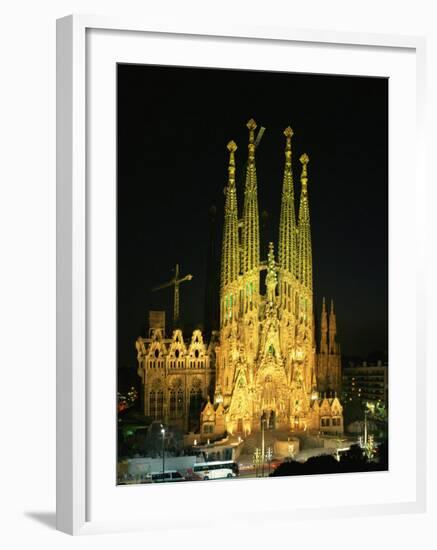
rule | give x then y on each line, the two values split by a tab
180	403
195	403
156	404
172	403
159	404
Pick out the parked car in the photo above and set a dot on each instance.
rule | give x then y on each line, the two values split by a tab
169	475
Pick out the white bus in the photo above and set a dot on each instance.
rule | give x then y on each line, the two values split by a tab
215	470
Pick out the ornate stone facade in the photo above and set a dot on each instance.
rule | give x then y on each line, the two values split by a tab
264	364
177	377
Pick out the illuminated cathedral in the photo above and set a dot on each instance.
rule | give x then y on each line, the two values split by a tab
264	362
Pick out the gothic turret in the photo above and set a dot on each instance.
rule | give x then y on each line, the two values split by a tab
287	223
329	357
324	330
332	330
304	272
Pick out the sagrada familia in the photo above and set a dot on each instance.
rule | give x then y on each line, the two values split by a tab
263	362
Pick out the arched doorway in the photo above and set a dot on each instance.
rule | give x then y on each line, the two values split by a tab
268	396
272	420
270	402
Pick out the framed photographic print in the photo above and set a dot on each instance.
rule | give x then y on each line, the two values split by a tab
235	305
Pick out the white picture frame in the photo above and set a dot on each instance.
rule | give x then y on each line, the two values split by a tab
75	381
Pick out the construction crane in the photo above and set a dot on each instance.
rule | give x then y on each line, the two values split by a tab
176	281
259	136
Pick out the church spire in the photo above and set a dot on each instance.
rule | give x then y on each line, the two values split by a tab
250	236
271	277
230	250
305	272
287	222
324	330
332	330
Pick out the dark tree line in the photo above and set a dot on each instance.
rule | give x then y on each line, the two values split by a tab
353	460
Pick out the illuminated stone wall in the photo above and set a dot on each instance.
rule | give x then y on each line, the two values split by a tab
177	377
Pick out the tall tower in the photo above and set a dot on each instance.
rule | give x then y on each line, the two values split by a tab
250	253
287	222
305	261
287	254
230	266
305	332
250	235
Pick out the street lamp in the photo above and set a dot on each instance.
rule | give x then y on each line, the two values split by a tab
256	460
269	456
365	427
163	452
263	419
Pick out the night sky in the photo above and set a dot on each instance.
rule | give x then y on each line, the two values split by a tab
173	127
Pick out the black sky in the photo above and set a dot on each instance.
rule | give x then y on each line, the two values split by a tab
173	127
